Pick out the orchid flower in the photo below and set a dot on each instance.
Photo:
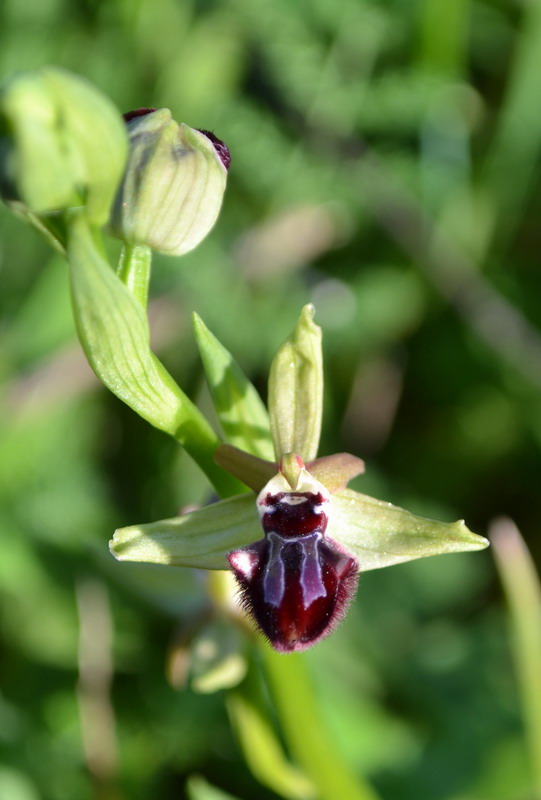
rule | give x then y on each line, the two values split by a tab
298	541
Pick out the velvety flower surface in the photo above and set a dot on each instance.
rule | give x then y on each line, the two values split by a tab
296	582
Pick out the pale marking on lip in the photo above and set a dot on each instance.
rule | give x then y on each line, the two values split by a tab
303	537
293	500
244	562
311	575
274	583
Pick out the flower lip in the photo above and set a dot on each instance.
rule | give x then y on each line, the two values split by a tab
296	583
221	148
293	514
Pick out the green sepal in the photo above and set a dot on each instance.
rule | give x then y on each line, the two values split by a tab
380	534
199	539
296	390
377	533
241	412
62	144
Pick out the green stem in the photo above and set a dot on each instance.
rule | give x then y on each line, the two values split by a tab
444	31
305	731
134	270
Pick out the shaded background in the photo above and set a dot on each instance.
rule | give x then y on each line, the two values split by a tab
385	166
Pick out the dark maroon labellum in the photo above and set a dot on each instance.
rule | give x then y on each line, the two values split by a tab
221	148
139	112
295	583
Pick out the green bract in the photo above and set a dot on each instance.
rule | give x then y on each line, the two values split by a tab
112	324
62	144
242	414
173	186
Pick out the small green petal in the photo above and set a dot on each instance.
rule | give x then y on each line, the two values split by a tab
296	390
336	471
252	471
241	412
380	534
200	539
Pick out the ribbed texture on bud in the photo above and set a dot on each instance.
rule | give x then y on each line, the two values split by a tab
173	187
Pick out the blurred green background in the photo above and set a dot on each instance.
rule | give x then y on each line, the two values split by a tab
385	166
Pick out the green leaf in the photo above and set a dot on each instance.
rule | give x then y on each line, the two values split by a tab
241	412
199	789
380	534
113	330
296	391
262	750
200	539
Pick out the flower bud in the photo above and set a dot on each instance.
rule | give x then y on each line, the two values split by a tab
173	186
62	144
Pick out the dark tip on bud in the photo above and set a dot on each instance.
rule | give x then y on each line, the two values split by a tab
221	148
139	112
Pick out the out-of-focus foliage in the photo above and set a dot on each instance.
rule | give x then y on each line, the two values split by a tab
385	167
